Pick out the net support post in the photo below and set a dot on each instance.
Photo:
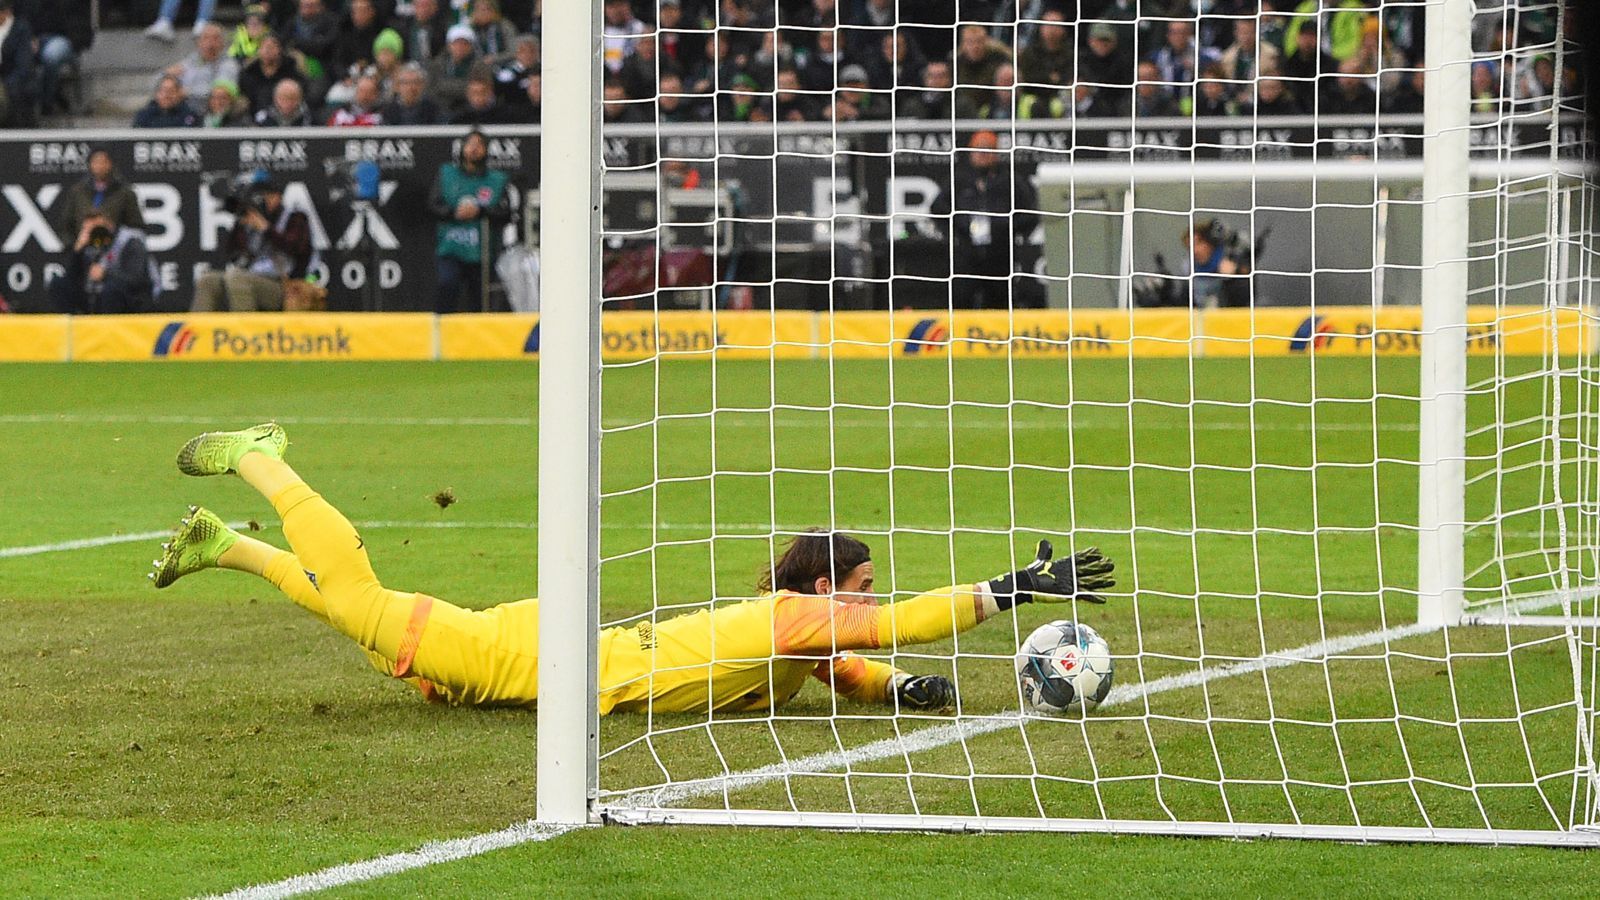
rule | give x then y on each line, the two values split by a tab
569	434
1441	487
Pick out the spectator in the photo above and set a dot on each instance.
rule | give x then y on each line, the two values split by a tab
1303	63
1406	97
793	105
990	209
1213	98
100	192
410	104
223	107
680	50
16	68
511	79
1273	99
248	34
109	271
739	103
821	65
1346	26
1106	63
1486	95
388	49
530	107
864	32
363	109
1047	63
993	103
1151	97
470	201
200	69
895	62
166	109
809	21
979	55
483	106
352	51
424	31
934	100
621	26
312	33
496	39
1246	57
64	33
1214	253
260	78
1351	93
639	70
288	109
269	244
452	69
161	28
854	102
1536	83
1179	60
673	105
1089	101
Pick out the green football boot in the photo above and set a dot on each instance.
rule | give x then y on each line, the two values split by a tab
201	540
219	452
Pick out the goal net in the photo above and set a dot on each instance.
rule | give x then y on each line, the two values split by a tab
1286	307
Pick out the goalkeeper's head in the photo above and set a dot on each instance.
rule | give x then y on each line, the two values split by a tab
824	563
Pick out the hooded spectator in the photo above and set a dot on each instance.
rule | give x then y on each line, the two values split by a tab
364	106
248	34
223	106
260	78
167	108
200	69
450	71
288	109
411	104
100	192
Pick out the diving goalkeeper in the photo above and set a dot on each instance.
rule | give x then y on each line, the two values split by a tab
816	607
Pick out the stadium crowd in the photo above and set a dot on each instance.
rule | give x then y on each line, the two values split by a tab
476	62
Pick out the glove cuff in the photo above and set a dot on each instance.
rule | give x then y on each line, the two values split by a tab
1010	589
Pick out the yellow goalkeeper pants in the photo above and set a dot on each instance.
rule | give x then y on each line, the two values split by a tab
487	657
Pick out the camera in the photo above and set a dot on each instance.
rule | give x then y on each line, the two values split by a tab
240	191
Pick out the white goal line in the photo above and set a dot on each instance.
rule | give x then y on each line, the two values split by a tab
650	804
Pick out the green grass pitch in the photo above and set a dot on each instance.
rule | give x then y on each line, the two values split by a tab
213	735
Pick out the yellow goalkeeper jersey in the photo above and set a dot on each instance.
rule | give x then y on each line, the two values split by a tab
756	655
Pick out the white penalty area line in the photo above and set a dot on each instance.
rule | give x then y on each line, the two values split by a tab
647	805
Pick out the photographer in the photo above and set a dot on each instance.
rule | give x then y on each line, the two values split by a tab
269	245
109	271
471	203
1219	258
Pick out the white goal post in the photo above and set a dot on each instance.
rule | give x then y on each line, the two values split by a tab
1403	477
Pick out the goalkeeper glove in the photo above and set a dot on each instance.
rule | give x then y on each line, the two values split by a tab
924	692
1055	581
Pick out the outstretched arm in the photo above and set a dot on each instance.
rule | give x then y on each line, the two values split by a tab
870	681
808	625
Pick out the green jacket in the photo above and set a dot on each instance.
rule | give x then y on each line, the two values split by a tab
460	239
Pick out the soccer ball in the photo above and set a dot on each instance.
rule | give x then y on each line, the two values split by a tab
1064	666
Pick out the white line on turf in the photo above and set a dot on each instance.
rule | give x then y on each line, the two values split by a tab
731	418
702	529
428	854
919	741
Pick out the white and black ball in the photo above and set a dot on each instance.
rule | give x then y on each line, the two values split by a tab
1062	667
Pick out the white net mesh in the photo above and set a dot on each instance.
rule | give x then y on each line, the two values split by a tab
952	278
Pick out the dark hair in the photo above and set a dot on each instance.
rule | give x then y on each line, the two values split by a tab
815	554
